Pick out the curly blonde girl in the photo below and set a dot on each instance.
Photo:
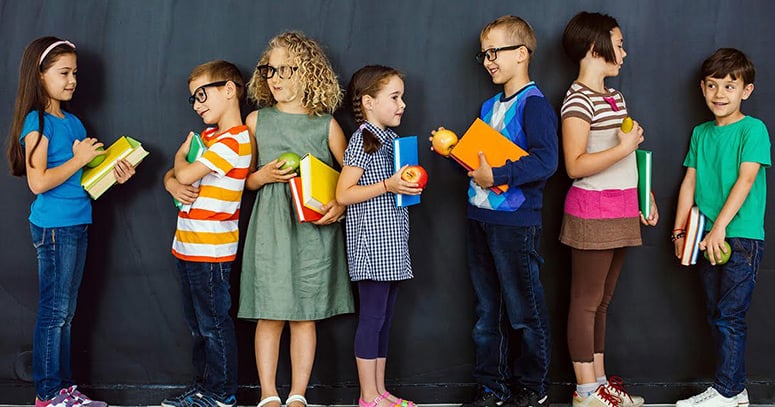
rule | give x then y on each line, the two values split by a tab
321	92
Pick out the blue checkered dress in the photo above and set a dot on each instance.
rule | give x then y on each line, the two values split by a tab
377	230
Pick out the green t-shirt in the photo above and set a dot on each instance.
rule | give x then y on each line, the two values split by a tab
716	152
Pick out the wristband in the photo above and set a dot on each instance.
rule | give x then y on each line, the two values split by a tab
676	236
384	184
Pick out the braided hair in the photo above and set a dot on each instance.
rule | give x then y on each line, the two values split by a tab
368	80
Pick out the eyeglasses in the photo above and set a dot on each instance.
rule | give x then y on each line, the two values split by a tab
283	71
200	95
492	53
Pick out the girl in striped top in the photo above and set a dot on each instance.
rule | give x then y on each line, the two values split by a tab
601	208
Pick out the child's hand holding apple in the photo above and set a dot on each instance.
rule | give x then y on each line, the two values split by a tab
398	185
443	141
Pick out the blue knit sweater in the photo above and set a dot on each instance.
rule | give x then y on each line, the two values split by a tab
532	124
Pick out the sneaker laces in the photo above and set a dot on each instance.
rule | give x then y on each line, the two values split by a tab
65	400
706	395
617	384
77	395
610	399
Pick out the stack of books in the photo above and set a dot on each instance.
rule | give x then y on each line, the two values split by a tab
695	226
97	180
313	188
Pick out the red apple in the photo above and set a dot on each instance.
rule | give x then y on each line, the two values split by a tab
444	141
416	174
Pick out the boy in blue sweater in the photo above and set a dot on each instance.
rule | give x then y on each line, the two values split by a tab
504	230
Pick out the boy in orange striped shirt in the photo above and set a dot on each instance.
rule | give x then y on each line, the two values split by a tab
206	238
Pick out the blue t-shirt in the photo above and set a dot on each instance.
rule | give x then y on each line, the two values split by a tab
68	204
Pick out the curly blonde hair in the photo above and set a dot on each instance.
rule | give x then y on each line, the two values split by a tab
321	92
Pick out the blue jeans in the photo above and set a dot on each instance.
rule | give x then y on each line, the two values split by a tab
504	265
206	304
728	289
61	258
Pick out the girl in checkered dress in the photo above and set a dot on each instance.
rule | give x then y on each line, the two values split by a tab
377	230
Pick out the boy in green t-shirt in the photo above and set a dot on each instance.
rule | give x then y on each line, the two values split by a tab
725	179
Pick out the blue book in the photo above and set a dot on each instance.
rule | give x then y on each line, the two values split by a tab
405	153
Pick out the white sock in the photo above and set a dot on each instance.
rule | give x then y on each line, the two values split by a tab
586	389
602	380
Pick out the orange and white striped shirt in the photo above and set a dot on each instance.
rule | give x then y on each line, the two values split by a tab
209	232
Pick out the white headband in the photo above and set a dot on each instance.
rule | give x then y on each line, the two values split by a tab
52	46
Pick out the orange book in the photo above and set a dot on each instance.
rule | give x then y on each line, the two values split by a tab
496	147
303	214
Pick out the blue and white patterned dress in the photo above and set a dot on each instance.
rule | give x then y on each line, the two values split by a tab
377	230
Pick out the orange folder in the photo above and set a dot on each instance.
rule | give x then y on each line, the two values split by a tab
496	147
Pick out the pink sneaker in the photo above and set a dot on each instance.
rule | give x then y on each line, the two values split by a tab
83	399
41	403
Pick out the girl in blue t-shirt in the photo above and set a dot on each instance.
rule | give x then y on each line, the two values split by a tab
377	230
49	146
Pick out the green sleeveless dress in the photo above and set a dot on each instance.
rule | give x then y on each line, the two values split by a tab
291	271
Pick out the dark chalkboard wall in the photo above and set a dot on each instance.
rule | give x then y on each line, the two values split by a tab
130	342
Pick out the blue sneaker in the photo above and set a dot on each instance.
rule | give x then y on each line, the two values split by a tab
207	400
186	399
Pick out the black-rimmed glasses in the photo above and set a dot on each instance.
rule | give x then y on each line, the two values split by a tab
283	71
200	94
492	53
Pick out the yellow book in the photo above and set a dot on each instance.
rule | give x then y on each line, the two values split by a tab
97	180
318	182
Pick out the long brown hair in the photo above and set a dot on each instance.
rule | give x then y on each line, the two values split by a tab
31	96
368	80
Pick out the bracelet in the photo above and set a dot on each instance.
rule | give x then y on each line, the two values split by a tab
676	236
678	230
384	184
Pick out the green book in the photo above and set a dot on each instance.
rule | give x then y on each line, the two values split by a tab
643	158
195	151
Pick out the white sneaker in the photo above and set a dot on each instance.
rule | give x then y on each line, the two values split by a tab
708	398
600	398
742	398
616	387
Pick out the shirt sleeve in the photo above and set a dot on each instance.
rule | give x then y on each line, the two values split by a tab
690	161
756	145
578	105
30	124
354	156
541	162
222	156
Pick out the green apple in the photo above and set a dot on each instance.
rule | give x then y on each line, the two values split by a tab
721	258
292	160
97	160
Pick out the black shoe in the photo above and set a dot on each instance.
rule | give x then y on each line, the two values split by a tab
529	398
486	398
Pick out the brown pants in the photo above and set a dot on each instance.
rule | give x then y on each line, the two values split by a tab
592	286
